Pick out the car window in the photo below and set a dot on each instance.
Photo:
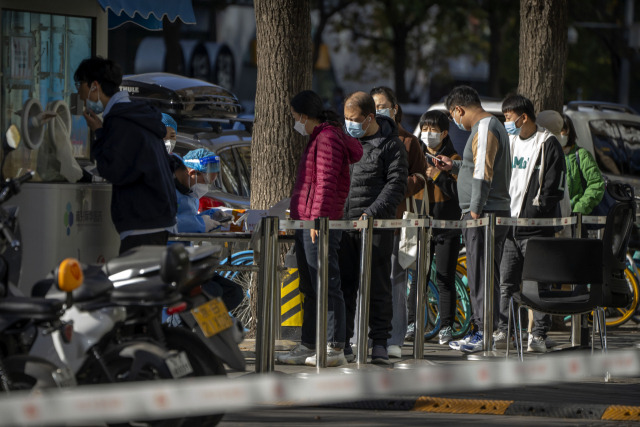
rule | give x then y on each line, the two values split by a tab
229	172
617	146
244	160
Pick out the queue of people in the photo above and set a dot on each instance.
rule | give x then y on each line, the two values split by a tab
368	166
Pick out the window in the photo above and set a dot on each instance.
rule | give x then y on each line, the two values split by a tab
40	53
244	159
229	172
617	146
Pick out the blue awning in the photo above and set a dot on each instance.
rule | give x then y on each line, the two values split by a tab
147	13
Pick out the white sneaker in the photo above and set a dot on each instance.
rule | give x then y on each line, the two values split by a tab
335	357
455	345
537	345
394	351
500	340
445	335
297	356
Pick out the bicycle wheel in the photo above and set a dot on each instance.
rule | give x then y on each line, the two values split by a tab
620	315
431	313
462	319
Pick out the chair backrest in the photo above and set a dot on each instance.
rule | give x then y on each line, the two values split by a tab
563	260
615	240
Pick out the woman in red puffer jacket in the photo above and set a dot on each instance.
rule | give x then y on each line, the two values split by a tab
321	189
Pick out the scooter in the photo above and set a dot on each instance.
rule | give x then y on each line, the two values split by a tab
138	278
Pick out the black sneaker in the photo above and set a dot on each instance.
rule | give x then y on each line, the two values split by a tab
379	355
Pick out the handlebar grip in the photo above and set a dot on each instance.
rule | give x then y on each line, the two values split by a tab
24	178
10	238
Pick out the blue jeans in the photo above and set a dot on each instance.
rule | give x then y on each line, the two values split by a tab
307	258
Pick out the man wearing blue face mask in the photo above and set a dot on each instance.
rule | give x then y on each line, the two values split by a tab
129	151
484	174
378	185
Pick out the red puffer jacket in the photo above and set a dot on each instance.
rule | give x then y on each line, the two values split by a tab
323	178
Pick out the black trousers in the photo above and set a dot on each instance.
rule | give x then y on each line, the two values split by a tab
380	303
155	239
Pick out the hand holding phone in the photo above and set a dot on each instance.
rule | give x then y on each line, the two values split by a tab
435	159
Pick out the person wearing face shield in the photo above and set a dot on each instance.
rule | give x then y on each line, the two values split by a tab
387	105
584	180
172	130
130	153
194	174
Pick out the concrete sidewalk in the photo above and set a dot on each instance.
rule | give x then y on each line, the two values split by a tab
593	398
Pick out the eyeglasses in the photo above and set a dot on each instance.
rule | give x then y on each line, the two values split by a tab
78	84
450	114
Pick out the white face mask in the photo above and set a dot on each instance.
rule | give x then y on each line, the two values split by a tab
170	144
431	139
300	127
563	139
200	189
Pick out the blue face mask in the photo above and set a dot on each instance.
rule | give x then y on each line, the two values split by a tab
384	112
354	128
95	106
511	127
460	125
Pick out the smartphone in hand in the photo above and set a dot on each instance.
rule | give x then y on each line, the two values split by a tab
435	160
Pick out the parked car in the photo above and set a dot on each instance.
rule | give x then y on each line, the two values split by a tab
611	132
210	117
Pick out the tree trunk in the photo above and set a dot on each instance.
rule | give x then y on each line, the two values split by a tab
400	62
543	52
495	48
283	36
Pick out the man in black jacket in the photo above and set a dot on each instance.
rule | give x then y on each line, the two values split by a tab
378	185
130	153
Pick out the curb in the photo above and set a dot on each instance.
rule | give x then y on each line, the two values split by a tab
499	407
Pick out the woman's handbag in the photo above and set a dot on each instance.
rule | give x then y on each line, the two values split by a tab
408	248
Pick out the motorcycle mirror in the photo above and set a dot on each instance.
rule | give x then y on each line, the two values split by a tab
69	275
13	138
175	264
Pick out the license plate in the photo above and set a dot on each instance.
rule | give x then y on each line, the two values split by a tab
63	377
179	365
212	317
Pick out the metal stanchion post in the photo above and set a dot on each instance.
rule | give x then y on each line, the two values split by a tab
575	319
264	337
421	285
489	249
422	269
365	284
322	291
274	261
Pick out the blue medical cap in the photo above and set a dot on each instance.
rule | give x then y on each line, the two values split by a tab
202	160
169	122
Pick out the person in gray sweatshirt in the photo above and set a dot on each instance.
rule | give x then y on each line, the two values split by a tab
484	175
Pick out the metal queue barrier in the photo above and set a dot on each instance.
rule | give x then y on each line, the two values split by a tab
268	313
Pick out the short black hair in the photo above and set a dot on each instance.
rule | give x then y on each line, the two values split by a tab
463	96
387	92
435	119
104	71
571	130
363	101
519	105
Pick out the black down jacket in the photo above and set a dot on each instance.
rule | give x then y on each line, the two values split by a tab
379	179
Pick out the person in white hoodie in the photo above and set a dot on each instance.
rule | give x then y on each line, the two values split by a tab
538	179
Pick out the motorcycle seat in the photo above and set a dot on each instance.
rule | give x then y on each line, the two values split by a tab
149	292
34	308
